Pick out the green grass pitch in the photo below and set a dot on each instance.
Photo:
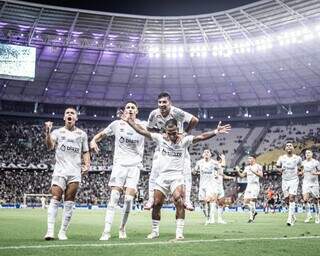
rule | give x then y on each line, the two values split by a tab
22	230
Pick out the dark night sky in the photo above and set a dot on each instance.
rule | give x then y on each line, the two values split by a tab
151	7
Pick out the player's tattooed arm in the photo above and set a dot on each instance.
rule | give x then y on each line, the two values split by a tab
192	124
49	141
138	128
221	129
97	138
86	163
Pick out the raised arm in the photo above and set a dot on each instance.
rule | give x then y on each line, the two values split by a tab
208	135
49	141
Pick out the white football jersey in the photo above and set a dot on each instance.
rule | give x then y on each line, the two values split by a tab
251	177
171	157
308	168
206	169
217	174
156	120
289	166
129	144
70	145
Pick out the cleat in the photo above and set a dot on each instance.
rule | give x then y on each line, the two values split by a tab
250	221
188	206
122	234
153	235
308	219
179	237
148	205
62	235
221	221
49	236
105	236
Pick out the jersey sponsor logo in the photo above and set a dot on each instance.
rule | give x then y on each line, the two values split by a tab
171	153
128	141
69	148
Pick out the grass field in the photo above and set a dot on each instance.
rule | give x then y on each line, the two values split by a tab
21	232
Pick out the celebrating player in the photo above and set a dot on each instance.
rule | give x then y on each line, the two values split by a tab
310	185
127	163
156	121
217	197
172	146
70	143
205	168
253	171
288	165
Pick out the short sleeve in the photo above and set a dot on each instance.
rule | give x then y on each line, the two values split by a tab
317	165
85	147
187	141
151	120
299	161
110	129
55	134
182	115
279	162
197	167
156	137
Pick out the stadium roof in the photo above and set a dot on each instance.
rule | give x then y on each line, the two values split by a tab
258	54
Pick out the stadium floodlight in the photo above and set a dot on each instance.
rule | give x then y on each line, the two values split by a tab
267	115
307	111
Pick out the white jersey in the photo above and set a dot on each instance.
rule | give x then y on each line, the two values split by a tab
217	174
309	167
157	121
206	171
69	148
289	166
252	179
129	144
171	156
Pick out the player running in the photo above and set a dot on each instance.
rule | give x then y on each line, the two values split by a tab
156	122
288	165
253	172
127	162
310	185
70	144
172	147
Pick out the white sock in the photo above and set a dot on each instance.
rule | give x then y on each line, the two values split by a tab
317	208
220	212
155	226
253	207
179	227
152	183
292	206
113	202
52	214
67	214
308	210
127	205
213	210
188	184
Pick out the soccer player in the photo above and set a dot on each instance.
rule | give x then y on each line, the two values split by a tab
172	146
253	172
310	185
205	168
70	144
156	121
217	188
288	165
270	202
127	163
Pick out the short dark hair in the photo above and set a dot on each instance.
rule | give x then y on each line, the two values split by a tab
164	95
71	107
289	142
252	155
131	101
171	122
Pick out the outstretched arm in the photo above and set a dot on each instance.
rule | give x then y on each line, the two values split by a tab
193	123
138	128
86	163
208	135
240	174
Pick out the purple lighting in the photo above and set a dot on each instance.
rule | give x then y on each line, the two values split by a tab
62	31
